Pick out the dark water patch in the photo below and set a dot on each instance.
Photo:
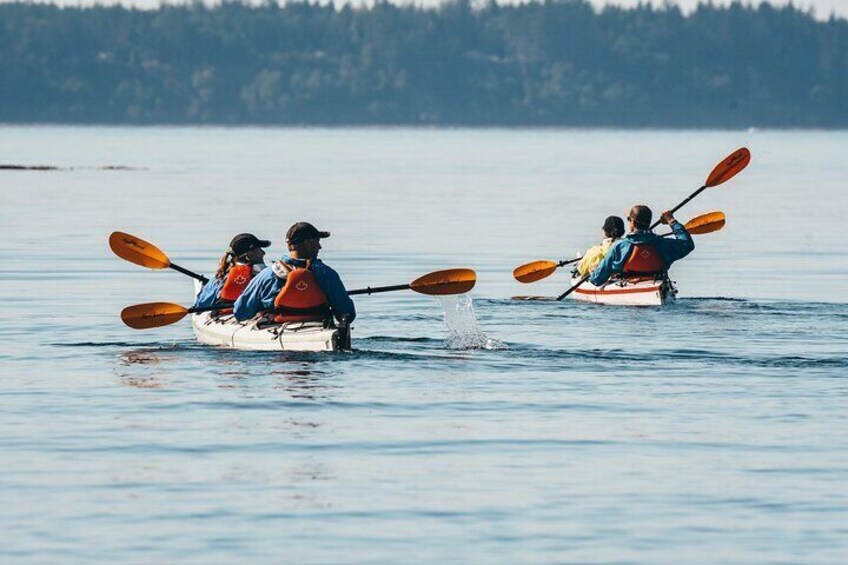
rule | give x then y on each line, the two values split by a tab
148	353
395	339
658	356
4	167
403	447
422	408
12	167
155	346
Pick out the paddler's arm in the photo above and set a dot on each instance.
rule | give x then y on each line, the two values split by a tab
258	296
681	243
590	259
610	264
334	289
208	295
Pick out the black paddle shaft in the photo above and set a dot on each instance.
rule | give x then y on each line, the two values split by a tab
573	288
564	262
212	308
193	275
369	290
679	206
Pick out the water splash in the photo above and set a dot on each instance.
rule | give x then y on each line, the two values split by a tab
463	330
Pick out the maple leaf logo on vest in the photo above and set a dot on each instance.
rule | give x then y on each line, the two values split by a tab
301	285
645	253
240	280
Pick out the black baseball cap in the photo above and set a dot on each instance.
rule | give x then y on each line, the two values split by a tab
244	242
302	231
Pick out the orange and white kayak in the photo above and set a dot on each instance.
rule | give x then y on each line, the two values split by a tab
648	291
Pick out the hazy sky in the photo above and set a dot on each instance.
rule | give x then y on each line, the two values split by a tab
823	8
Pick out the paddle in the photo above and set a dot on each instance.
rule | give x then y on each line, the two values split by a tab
438	283
732	165
136	250
705	223
538	270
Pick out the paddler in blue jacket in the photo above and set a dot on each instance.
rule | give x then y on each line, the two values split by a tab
303	241
642	252
243	260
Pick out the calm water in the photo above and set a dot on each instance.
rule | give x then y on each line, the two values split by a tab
710	431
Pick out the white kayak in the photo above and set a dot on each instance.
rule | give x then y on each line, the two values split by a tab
627	292
259	335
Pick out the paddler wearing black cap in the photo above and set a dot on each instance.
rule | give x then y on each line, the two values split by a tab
243	260
268	289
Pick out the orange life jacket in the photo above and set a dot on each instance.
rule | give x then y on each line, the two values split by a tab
644	260
236	282
301	299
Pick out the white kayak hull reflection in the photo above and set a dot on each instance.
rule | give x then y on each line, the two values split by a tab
256	335
643	292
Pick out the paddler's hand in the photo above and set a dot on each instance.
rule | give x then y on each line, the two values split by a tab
667	218
281	269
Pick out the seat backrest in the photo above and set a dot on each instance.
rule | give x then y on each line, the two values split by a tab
237	279
645	259
301	299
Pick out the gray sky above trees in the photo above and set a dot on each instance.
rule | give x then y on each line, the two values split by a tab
823	8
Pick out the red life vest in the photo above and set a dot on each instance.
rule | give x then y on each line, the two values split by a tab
236	282
301	299
644	260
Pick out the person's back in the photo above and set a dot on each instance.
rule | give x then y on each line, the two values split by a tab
263	291
613	229
243	260
642	252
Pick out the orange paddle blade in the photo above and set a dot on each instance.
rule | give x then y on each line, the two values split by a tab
152	315
535	271
706	223
451	281
136	250
730	167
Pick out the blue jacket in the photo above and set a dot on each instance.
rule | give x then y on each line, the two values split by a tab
671	249
208	295
263	289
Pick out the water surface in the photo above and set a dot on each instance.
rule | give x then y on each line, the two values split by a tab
710	431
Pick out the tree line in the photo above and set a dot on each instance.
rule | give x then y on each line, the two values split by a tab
540	63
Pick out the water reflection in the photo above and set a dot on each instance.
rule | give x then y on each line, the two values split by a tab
295	375
142	368
304	383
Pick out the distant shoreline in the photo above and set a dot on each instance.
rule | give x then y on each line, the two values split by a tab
530	65
422	127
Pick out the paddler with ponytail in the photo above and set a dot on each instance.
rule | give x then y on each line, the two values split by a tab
243	260
300	286
613	230
642	253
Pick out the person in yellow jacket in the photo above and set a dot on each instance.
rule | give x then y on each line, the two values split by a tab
613	230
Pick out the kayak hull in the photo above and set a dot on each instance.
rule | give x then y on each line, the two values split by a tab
623	292
252	335
258	335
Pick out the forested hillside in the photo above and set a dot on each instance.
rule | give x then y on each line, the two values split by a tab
543	63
